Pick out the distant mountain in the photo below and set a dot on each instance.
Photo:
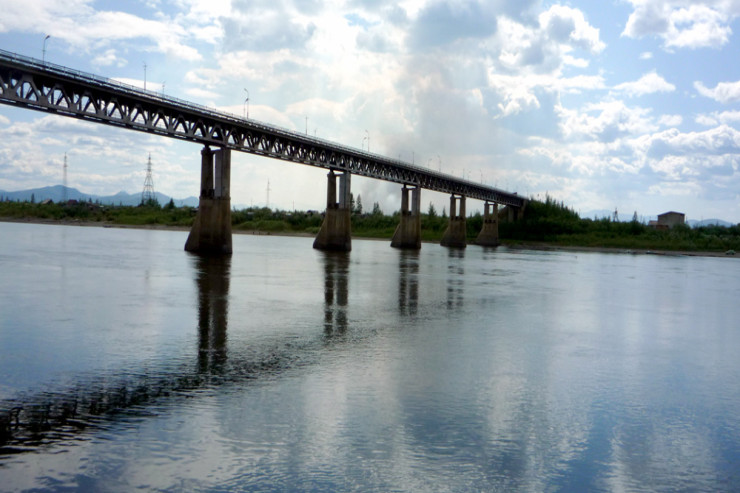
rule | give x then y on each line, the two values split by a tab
56	193
708	222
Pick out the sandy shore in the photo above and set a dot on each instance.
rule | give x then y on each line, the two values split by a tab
517	246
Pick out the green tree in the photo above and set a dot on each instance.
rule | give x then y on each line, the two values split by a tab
358	206
376	209
432	211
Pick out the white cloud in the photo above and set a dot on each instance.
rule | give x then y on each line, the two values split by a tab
682	23
716	118
107	58
606	121
724	92
670	120
77	24
647	84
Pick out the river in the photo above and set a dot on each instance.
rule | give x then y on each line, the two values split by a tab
129	364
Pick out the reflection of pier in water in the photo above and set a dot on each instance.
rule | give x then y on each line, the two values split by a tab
213	311
336	292
455	278
408	282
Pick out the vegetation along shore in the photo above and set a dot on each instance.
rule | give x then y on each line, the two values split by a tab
547	224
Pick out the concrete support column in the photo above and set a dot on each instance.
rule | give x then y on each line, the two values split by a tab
211	230
408	231
488	235
336	230
455	235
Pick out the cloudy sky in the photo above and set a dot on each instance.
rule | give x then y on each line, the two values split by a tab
627	104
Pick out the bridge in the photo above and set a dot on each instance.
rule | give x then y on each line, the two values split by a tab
38	85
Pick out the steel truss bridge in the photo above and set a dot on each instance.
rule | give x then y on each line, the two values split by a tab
30	83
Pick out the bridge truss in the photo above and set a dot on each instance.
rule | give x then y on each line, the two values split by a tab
29	83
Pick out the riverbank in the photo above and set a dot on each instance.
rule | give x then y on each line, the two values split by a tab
541	246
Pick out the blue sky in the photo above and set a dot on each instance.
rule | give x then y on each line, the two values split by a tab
628	104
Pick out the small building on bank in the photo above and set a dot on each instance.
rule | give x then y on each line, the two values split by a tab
668	220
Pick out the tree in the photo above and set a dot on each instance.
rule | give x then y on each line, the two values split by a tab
170	205
444	211
358	205
432	211
634	217
376	209
33	198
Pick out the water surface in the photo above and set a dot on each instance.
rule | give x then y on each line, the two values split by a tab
126	363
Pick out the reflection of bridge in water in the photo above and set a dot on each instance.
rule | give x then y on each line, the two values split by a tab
32	420
37	85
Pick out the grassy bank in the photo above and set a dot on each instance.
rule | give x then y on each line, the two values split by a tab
544	223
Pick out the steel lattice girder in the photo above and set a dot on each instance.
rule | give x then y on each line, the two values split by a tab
25	82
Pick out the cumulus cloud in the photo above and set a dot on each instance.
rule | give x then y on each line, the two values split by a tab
606	121
682	23
724	92
647	84
717	118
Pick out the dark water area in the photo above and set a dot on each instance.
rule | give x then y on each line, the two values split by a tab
129	364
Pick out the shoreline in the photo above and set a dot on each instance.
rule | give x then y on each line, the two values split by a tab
513	246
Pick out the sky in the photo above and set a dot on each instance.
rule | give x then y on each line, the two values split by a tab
631	105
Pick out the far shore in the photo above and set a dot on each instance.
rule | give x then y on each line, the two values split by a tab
513	245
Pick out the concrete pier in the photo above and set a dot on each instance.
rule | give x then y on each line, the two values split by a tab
488	235
336	230
211	230
408	231
455	235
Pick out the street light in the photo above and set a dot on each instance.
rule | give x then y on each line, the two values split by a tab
246	104
43	51
368	140
363	143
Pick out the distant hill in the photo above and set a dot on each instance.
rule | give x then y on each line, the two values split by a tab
708	222
56	193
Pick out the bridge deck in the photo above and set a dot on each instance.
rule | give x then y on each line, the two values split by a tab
42	86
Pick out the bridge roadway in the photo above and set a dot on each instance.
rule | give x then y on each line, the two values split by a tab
33	84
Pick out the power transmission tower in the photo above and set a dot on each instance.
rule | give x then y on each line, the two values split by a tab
148	196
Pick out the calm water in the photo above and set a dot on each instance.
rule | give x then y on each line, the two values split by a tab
126	363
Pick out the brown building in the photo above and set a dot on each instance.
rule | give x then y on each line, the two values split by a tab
668	219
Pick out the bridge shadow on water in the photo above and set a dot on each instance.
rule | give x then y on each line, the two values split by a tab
32	421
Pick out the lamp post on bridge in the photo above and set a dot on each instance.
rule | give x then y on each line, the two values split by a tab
43	51
368	140
246	104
